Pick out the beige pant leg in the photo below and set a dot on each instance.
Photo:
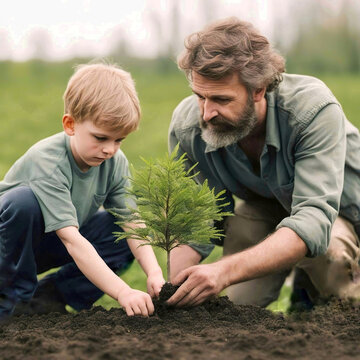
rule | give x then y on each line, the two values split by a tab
253	221
337	272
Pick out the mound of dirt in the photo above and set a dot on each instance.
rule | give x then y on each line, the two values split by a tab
216	330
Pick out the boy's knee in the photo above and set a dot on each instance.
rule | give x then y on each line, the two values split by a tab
19	201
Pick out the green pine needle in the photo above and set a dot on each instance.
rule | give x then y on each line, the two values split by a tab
175	209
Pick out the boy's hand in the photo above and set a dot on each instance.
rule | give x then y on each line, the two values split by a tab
135	302
155	282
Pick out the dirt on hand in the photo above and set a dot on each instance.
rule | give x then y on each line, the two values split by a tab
217	329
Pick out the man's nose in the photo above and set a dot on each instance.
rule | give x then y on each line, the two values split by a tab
209	110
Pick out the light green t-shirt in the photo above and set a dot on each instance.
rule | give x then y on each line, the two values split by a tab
68	196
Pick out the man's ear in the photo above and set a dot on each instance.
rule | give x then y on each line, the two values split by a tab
68	124
259	94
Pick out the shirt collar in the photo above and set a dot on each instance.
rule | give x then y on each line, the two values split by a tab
272	130
210	148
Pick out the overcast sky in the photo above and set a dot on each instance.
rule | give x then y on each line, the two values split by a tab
77	27
91	27
70	23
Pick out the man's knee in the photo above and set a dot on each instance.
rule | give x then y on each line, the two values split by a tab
251	223
261	292
337	273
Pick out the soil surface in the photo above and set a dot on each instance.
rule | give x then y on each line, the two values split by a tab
215	330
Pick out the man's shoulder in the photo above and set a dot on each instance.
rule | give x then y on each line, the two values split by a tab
186	115
301	95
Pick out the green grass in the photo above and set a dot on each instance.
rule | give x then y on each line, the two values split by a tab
31	108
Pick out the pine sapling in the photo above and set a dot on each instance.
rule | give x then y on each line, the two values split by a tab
175	209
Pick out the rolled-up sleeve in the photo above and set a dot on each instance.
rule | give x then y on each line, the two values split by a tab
319	157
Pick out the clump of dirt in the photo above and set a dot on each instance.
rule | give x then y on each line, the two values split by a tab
166	292
214	330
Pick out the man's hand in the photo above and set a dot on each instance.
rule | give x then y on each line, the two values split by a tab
199	283
155	282
181	258
135	302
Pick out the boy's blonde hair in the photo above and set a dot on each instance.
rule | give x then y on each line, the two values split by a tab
104	94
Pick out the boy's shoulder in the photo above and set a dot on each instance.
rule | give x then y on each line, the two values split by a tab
50	147
43	157
54	141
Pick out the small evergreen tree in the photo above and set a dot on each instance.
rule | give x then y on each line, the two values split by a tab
175	209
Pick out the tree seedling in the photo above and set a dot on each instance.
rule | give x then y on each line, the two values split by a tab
174	208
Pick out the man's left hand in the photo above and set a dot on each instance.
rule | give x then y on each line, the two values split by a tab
199	283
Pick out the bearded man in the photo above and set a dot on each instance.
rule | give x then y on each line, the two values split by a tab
281	145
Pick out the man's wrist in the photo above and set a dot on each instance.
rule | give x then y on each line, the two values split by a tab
225	268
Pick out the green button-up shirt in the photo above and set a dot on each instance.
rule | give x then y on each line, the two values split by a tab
310	161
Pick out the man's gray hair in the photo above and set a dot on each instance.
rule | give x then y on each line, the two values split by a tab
233	46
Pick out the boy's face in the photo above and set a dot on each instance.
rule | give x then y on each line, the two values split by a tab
91	145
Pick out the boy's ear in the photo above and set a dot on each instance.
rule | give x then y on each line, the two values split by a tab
68	124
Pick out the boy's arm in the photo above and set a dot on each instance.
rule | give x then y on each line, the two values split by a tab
148	262
89	262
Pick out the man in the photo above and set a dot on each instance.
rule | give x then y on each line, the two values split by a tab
282	145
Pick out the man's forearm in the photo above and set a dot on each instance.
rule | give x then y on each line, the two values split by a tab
279	251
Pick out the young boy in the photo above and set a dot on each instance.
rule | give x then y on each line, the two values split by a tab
50	200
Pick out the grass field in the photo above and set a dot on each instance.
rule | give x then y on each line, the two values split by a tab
31	108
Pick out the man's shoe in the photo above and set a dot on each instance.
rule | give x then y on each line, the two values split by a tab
46	299
304	293
300	301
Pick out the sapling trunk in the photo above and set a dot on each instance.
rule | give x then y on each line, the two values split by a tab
168	267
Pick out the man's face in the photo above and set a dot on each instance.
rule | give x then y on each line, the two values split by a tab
92	145
227	109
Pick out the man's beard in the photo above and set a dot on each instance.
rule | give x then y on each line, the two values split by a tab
225	132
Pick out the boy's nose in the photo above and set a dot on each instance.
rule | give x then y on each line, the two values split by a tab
109	149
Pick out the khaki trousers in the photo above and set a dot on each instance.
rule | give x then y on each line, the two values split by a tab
335	273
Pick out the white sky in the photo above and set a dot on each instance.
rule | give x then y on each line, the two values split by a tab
73	25
92	27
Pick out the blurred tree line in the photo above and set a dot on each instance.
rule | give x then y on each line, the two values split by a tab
326	44
316	37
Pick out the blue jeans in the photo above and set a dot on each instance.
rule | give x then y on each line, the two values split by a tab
26	250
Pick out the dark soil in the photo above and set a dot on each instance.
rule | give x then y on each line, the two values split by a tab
216	330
